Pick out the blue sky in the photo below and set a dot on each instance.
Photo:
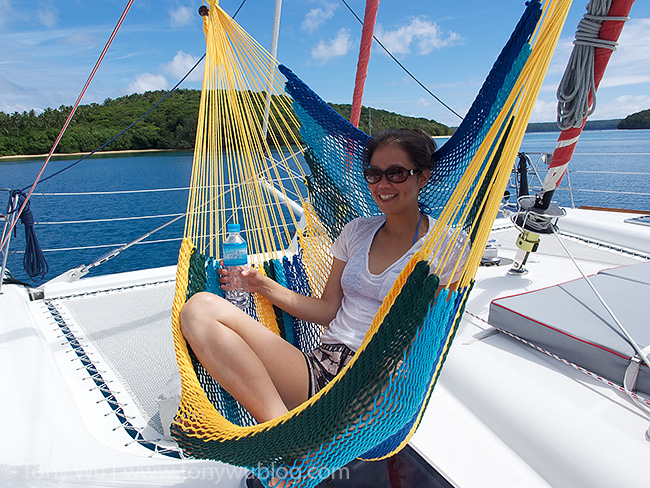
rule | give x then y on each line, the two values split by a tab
48	47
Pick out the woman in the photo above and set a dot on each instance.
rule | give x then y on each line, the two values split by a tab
266	374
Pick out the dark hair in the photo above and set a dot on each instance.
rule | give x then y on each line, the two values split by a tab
419	145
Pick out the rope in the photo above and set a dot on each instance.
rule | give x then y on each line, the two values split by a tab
116	219
634	396
142	117
103	246
578	85
130	126
114	192
72	112
33	261
622	328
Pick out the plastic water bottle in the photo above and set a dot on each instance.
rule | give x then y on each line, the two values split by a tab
235	255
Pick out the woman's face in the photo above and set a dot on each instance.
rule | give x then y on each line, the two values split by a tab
392	197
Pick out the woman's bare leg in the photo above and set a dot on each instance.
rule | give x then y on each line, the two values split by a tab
266	374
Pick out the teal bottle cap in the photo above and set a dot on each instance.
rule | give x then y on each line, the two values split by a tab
233	228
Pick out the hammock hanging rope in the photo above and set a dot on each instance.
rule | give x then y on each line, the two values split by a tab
372	408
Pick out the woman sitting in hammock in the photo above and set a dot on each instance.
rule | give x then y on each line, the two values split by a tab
266	374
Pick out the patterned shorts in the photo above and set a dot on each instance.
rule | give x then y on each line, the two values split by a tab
324	363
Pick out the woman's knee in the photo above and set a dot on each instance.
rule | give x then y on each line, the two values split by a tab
197	312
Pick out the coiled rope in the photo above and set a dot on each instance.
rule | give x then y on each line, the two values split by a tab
33	261
578	86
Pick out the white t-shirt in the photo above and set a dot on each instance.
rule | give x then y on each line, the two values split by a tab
364	292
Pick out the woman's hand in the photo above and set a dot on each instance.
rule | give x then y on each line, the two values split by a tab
319	310
251	279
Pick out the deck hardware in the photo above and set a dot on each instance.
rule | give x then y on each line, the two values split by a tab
536	216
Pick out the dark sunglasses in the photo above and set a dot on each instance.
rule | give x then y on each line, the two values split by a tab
394	174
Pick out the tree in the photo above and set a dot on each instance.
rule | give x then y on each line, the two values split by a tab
638	120
172	125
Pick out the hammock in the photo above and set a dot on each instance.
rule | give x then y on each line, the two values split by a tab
247	170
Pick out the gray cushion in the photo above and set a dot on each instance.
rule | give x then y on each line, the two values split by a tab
568	320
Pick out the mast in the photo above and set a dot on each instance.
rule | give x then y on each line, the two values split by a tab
274	52
595	41
603	46
369	19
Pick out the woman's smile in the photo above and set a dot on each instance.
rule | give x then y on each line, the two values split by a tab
394	197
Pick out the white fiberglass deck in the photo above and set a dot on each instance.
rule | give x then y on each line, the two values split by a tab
59	428
502	414
506	415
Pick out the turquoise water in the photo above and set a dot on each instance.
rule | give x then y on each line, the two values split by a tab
602	151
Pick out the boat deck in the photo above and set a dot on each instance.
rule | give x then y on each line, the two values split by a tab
506	415
502	414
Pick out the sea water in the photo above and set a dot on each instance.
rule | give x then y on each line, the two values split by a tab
616	161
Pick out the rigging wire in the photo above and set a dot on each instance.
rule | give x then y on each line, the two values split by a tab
404	67
72	112
129	127
239	8
141	117
167	95
25	202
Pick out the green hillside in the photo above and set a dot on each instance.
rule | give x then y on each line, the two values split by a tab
638	120
607	124
171	126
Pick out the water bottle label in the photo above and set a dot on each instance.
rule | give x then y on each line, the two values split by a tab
235	254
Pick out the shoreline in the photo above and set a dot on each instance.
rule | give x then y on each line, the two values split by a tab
66	155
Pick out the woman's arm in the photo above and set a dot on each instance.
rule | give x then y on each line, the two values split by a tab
318	310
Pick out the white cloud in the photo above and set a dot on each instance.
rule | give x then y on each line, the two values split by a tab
619	107
147	82
337	47
628	65
48	15
544	111
624	87
6	11
16	97
181	16
45	12
560	58
317	16
622	106
181	64
420	32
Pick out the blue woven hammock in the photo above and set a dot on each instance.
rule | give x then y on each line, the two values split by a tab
402	371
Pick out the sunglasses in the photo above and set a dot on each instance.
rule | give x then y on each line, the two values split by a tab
394	174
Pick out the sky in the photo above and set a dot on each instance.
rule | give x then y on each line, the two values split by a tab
49	47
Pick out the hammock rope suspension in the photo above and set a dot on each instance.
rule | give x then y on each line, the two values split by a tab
372	408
